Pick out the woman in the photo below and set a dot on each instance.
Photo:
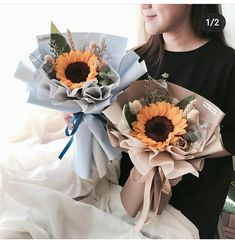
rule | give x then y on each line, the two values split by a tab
202	62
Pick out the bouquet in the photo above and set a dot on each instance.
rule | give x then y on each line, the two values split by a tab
167	131
81	73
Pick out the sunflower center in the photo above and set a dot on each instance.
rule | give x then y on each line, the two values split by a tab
77	72
158	128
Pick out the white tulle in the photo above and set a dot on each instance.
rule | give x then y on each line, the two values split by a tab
41	197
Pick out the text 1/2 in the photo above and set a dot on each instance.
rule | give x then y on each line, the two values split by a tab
212	22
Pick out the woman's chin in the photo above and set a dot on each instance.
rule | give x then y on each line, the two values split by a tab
152	30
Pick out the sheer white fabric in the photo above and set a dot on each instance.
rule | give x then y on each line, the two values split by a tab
41	197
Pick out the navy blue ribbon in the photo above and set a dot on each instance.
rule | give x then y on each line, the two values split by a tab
75	122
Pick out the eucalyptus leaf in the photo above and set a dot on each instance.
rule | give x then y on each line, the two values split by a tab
128	116
185	101
105	69
191	136
193	131
103	75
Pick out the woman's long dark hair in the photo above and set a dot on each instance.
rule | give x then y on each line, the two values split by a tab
152	51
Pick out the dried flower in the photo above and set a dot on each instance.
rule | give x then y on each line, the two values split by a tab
181	143
135	107
69	34
165	75
100	63
49	59
92	45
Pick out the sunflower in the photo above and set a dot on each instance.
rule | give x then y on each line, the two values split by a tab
76	67
159	125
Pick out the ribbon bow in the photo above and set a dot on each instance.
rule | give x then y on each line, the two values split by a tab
74	122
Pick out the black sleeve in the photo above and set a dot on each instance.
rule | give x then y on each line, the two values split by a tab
228	123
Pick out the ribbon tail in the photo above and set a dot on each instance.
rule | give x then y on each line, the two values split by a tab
146	203
78	118
161	194
162	191
66	148
164	199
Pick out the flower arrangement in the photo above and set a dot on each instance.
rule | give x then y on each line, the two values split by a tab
74	68
167	131
159	121
81	73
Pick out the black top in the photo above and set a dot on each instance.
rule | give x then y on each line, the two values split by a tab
209	71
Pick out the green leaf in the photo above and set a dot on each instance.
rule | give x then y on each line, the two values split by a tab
128	116
103	75
193	131
105	69
191	136
185	101
58	42
54	29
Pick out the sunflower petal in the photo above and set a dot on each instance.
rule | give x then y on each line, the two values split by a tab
159	109
74	56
